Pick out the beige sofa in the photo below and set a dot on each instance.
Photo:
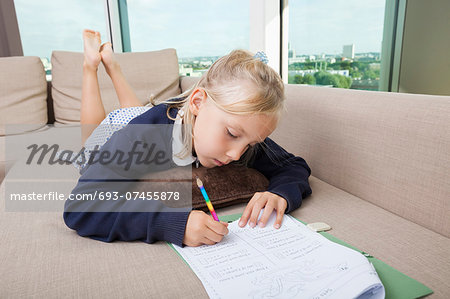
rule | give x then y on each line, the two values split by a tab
380	177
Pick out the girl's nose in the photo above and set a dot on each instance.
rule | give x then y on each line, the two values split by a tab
234	155
236	152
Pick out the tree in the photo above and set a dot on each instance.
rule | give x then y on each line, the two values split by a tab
345	65
344	82
309	79
325	78
290	79
298	79
355	65
369	74
355	74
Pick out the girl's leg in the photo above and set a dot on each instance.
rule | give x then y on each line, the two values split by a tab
126	95
92	111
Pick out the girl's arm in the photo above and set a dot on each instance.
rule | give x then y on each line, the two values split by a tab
287	174
288	184
122	219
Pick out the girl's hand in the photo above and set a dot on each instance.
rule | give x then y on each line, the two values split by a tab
203	229
267	200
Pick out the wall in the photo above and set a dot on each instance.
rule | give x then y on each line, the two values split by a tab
10	44
425	55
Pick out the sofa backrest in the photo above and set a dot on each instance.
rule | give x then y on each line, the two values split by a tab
390	149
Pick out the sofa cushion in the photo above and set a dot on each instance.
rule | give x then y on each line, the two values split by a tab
149	73
50	253
414	250
23	94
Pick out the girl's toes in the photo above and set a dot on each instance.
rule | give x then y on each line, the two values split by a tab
106	47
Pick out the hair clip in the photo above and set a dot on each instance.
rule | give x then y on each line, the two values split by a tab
260	55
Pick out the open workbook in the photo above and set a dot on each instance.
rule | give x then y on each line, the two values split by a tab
290	262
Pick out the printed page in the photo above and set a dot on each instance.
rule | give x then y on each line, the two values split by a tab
290	262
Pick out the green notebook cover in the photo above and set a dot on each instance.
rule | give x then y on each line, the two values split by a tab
397	285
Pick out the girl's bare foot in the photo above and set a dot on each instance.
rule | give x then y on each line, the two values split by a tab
92	43
107	55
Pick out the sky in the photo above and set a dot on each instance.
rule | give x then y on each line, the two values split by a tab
194	28
324	26
200	27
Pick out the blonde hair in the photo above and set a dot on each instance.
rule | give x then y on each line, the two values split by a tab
237	83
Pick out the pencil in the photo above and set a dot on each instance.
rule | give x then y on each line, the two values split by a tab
208	202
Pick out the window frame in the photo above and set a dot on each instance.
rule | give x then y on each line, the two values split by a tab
394	21
269	21
269	24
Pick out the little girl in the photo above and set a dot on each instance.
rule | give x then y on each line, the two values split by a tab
227	116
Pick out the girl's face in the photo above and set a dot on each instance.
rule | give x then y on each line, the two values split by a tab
221	137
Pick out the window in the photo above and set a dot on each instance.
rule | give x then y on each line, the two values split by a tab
336	43
48	25
201	31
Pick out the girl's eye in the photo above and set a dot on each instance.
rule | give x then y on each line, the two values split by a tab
231	135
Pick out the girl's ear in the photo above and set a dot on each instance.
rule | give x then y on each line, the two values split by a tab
196	100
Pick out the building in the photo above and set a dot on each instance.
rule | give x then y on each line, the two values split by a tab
301	59
348	51
291	52
345	73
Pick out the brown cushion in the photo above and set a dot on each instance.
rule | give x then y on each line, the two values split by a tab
149	73
226	185
23	94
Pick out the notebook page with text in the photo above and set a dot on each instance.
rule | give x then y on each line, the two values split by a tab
290	262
